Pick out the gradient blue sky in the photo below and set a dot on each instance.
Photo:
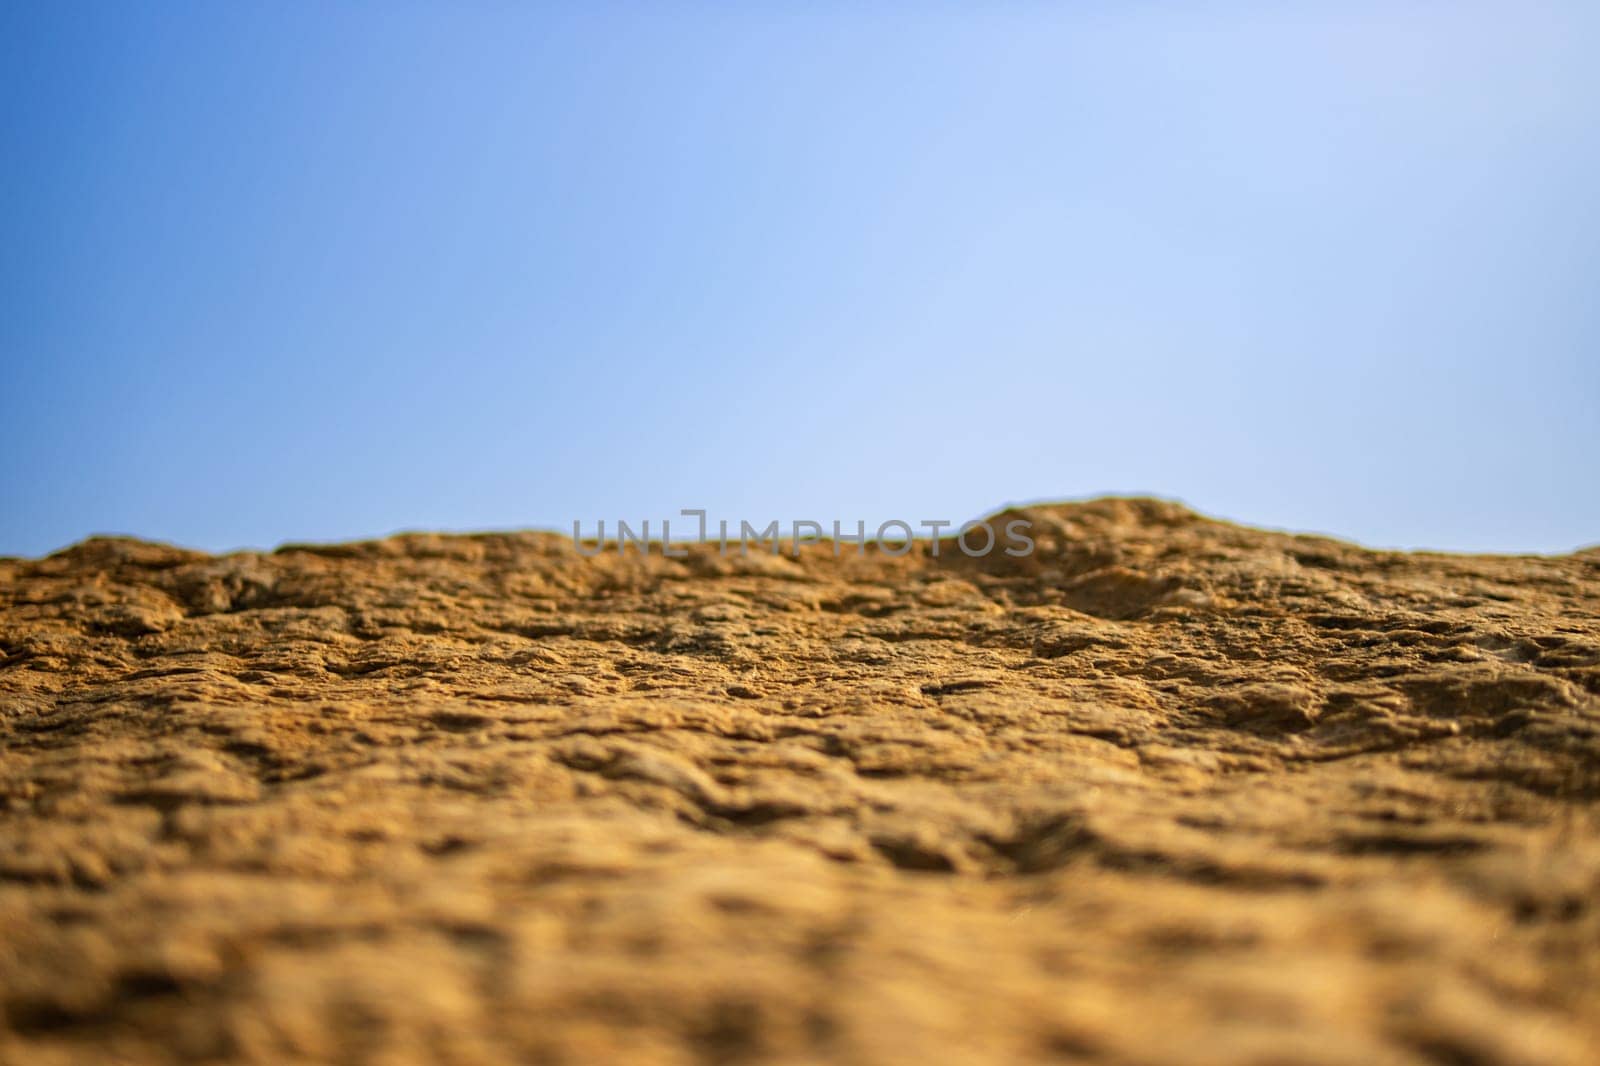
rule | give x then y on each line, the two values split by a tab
291	271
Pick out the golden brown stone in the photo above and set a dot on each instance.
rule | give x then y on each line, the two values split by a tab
1168	790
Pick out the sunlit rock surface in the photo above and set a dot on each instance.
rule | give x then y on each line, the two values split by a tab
1167	790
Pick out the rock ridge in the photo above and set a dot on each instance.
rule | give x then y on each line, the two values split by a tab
1168	789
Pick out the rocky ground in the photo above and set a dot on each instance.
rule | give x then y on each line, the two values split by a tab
1167	790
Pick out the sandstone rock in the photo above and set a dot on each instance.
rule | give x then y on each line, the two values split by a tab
1167	790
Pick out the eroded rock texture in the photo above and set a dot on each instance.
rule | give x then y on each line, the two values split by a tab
1168	790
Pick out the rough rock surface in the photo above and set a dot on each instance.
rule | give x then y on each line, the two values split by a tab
1168	790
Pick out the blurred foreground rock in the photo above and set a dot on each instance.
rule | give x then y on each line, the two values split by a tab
1168	790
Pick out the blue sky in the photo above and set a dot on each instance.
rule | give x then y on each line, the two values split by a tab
286	271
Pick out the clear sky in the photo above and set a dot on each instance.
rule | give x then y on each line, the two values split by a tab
291	271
